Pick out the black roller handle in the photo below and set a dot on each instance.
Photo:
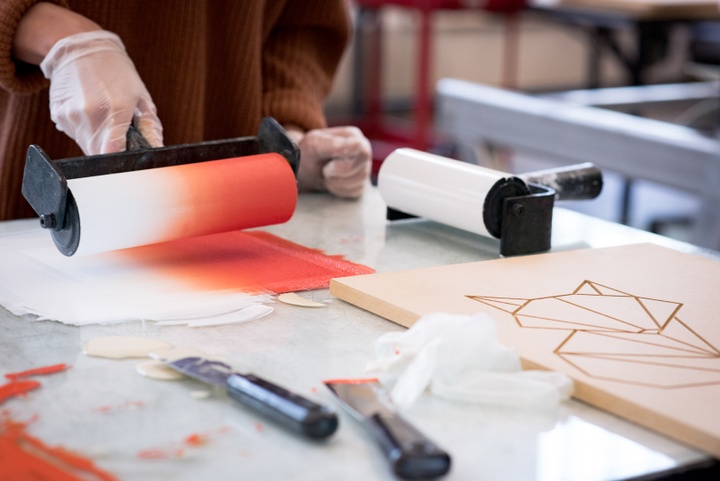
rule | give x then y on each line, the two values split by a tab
134	140
410	453
287	408
572	182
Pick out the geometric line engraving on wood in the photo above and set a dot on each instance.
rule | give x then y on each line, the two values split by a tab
640	340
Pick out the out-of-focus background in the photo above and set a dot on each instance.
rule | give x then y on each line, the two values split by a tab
549	49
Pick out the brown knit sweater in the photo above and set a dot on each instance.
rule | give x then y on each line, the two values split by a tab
213	67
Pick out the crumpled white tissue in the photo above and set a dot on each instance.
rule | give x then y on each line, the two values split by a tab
460	358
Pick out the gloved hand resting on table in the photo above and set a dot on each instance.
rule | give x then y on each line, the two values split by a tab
95	91
336	159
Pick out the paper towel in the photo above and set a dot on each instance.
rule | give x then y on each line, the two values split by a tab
460	358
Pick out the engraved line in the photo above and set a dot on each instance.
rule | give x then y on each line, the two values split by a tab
698	357
669	318
637	383
575	323
613	336
698	336
649	363
609	288
599	313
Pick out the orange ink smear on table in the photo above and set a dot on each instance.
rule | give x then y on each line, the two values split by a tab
157	453
26	458
178	450
16	388
248	261
366	380
196	439
115	407
14	376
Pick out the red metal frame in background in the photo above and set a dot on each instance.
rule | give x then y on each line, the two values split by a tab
387	136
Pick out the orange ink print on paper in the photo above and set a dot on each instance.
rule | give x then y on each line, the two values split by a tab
249	261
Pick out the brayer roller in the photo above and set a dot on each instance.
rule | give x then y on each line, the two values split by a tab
515	209
149	195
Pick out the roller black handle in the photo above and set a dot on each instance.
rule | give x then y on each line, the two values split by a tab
410	453
287	408
134	140
572	182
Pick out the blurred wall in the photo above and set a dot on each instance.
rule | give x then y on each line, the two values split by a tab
470	45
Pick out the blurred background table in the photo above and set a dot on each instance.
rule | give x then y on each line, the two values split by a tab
651	20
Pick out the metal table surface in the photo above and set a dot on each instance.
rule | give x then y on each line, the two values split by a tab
103	409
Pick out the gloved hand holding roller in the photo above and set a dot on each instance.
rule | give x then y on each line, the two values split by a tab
207	80
335	159
95	93
95	90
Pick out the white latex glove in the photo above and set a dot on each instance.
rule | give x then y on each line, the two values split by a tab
336	159
95	91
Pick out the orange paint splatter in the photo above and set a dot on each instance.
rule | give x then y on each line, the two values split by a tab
178	450
14	376
19	387
248	261
26	458
196	439
16	388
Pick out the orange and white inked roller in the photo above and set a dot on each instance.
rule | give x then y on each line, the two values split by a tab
145	195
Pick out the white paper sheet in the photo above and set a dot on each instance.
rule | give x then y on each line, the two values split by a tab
36	279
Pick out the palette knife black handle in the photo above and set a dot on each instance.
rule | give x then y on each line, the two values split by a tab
410	453
287	408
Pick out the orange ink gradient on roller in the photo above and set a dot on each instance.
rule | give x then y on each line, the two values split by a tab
232	194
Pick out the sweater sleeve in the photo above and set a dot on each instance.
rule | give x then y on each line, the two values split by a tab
300	57
16	76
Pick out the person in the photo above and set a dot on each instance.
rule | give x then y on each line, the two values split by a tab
183	72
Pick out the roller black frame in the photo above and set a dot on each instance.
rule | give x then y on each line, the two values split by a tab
45	180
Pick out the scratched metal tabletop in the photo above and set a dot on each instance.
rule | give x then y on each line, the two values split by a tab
104	410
